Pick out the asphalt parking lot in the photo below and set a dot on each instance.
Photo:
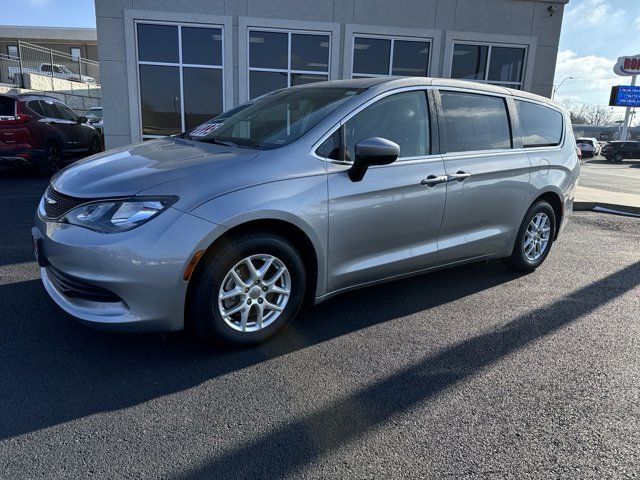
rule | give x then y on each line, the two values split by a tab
623	177
475	372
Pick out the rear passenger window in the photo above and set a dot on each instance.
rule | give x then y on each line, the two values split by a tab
541	126
7	107
35	106
49	109
401	118
475	122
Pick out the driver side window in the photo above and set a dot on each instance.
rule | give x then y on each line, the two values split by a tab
402	118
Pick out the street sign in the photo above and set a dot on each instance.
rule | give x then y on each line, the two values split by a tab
625	96
627	66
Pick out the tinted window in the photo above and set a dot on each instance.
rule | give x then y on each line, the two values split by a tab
202	95
401	118
371	56
265	82
160	100
410	58
49	109
475	122
310	52
158	43
541	126
45	67
469	61
202	46
7	107
330	148
506	64
268	49
35	106
65	112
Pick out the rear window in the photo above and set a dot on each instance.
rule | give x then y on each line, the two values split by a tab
585	140
475	122
541	126
7	107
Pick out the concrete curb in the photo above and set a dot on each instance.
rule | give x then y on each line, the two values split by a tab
607	208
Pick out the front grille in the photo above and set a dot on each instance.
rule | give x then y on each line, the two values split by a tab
74	288
57	204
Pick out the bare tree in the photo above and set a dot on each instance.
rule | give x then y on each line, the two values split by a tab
585	114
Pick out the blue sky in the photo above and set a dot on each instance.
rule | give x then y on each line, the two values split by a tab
594	34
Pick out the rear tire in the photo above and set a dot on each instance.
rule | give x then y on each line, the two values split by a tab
52	161
617	158
533	242
254	318
94	147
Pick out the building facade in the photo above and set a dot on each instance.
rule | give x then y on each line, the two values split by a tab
168	66
77	42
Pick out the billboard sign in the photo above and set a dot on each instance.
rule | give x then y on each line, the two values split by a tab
625	96
626	66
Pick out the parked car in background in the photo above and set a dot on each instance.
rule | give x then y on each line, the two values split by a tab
307	193
58	71
619	151
43	132
94	116
589	146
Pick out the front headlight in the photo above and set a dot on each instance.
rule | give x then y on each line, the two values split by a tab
113	216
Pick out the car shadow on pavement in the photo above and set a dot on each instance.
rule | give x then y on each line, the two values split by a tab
54	370
345	421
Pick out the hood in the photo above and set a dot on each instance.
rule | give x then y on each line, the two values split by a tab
129	170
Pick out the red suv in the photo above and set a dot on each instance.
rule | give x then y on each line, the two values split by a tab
41	131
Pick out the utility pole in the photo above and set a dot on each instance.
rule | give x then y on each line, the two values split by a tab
627	115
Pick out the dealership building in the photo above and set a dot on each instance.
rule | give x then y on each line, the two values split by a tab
168	66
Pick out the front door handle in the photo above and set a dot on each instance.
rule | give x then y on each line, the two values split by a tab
432	180
458	176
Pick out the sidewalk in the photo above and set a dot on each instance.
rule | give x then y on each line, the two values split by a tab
594	198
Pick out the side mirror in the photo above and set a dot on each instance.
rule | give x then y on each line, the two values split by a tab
82	119
372	151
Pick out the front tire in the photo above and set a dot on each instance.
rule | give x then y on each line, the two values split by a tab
248	290
617	158
534	239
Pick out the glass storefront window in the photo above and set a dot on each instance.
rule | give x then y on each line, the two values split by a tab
179	87
279	59
499	65
376	56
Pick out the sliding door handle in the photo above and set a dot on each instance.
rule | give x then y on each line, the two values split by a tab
432	180
458	176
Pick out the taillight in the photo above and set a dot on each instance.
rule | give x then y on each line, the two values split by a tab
579	153
18	118
21	117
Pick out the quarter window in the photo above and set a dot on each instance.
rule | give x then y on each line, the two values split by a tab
475	122
279	59
498	65
374	56
181	76
402	118
330	148
541	126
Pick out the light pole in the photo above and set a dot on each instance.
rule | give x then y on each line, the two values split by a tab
553	93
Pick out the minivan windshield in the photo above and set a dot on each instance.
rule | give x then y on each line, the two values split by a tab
279	118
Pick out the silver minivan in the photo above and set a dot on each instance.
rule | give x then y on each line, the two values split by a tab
306	193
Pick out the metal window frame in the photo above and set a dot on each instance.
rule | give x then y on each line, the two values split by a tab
393	39
180	65
288	70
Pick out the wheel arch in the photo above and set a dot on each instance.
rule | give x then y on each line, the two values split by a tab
555	200
286	229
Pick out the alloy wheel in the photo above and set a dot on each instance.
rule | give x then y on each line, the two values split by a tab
254	293
537	236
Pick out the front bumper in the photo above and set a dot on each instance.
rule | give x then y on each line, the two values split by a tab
143	268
